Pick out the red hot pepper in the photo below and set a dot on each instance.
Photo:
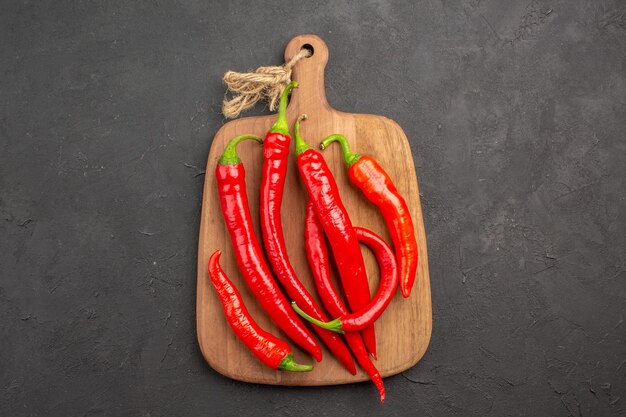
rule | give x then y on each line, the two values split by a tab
317	255
276	153
271	350
388	284
231	187
324	195
367	174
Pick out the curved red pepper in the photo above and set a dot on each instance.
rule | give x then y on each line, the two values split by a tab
276	153
231	187
324	195
388	284
317	256
271	350
367	174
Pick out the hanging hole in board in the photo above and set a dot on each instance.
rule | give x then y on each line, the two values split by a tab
309	48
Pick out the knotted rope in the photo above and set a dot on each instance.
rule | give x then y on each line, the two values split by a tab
265	83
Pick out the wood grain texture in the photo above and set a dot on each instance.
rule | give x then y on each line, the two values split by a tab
404	330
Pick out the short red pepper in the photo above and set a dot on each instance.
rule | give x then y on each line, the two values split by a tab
367	174
271	350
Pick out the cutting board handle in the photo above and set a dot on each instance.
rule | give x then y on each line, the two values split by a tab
310	96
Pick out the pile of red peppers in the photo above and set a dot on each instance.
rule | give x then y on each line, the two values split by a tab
351	330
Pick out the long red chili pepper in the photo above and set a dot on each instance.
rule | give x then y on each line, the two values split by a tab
324	195
276	153
388	284
231	187
271	350
367	174
317	256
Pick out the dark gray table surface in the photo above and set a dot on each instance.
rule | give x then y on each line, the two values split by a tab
516	114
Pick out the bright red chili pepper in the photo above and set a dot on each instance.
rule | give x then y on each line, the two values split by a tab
367	174
271	350
317	255
329	209
388	284
276	153
231	187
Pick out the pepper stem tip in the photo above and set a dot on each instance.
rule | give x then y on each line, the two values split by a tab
281	125
301	145
229	156
333	325
348	156
289	364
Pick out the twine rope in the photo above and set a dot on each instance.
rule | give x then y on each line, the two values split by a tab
265	83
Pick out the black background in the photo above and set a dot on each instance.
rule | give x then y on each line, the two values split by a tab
516	116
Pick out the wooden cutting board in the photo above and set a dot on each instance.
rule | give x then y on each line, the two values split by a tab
404	330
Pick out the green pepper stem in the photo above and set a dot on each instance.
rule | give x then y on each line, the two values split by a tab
229	156
333	325
348	156
281	125
289	364
301	145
